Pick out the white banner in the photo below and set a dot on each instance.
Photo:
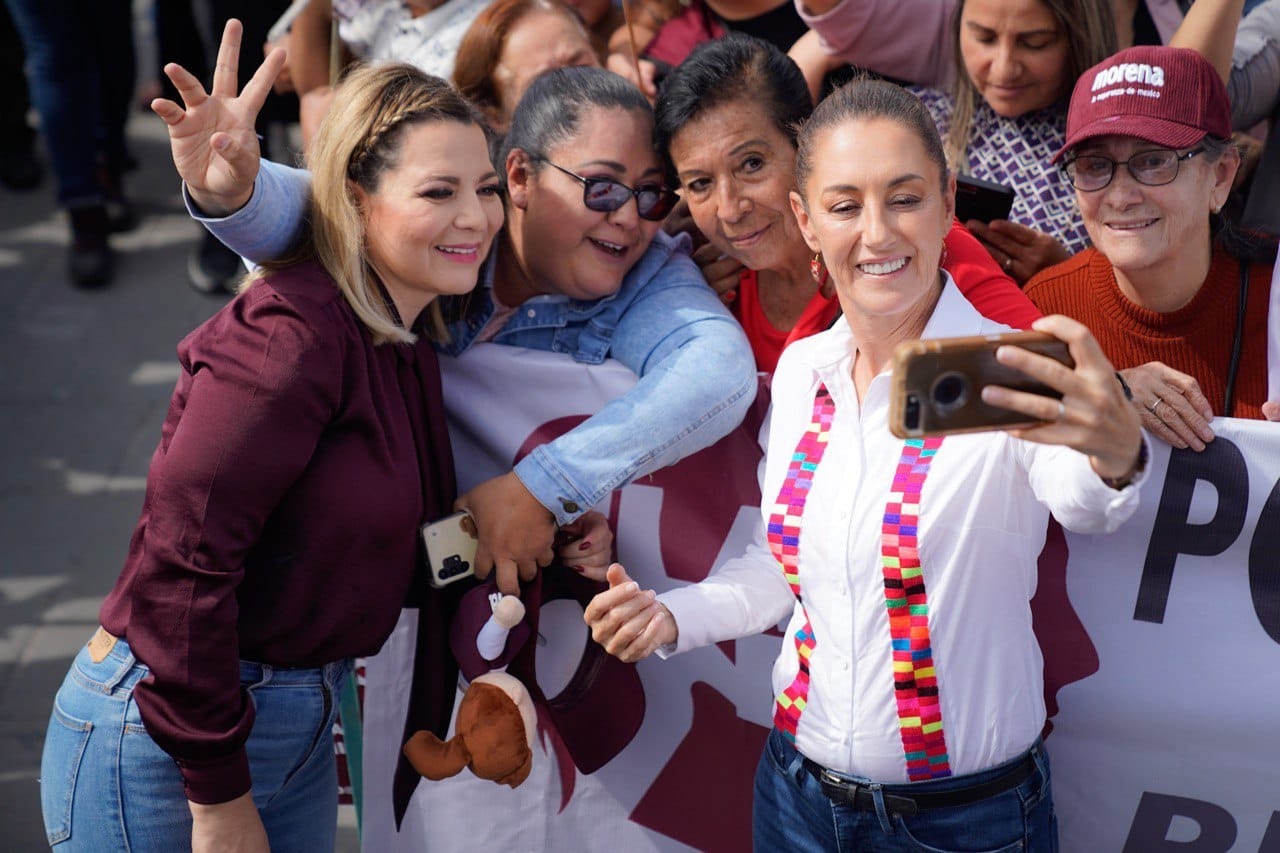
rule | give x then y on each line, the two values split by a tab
1164	663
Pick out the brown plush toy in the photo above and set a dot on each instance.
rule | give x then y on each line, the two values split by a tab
493	735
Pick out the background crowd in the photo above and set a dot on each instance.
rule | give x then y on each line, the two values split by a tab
654	187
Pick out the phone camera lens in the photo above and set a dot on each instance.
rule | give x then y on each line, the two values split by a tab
950	390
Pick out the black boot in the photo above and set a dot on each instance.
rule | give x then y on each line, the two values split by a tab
90	261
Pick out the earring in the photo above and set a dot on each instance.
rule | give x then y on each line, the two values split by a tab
817	269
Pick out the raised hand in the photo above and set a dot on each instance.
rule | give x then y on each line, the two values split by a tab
1093	415
212	136
630	623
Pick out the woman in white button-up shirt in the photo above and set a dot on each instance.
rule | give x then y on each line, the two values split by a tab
909	685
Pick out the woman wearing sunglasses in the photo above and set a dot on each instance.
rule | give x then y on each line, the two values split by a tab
581	268
1176	298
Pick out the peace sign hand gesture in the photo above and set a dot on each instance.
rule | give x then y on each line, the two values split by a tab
212	136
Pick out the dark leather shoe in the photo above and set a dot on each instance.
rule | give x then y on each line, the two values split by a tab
90	262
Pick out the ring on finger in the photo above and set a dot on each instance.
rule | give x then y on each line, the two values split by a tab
1062	410
1152	408
1008	264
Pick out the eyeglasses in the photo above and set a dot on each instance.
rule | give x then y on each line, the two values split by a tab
605	195
1154	167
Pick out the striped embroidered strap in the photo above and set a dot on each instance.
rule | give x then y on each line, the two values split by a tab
783	535
915	682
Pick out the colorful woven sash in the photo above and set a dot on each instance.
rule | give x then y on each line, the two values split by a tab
914	681
784	541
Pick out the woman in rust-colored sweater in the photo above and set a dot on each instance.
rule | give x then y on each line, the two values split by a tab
1176	299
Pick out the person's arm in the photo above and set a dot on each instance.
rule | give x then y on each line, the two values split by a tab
1210	29
1094	488
905	39
979	278
309	46
1254	83
260	383
270	222
697	380
215	150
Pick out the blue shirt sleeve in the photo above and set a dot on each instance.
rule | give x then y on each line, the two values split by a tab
697	381
271	222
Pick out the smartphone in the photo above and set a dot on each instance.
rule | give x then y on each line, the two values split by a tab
936	388
450	548
982	200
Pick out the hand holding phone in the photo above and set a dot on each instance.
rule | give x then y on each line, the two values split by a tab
450	545
937	383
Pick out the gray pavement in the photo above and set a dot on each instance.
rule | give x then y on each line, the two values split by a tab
85	378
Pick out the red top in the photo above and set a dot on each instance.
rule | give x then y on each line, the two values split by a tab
977	275
1196	339
281	516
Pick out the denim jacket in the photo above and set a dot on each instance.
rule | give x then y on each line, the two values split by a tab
696	371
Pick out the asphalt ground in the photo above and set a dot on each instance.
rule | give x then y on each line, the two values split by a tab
85	379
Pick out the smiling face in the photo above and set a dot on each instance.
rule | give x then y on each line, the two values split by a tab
1145	230
540	41
878	214
563	246
736	170
1015	53
432	216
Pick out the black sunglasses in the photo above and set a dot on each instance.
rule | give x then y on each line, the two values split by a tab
605	195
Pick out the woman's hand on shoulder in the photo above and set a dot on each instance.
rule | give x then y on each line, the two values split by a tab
1171	404
1020	251
630	623
588	545
212	136
1271	411
516	531
1093	416
231	827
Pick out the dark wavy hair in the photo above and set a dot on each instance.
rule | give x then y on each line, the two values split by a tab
721	71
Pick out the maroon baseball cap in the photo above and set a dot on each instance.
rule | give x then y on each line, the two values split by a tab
1170	96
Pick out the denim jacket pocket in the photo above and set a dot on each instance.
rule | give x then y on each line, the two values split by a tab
60	764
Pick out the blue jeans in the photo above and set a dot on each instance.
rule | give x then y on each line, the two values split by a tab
105	785
80	59
790	812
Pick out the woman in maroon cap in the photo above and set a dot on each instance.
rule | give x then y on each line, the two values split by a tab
1147	151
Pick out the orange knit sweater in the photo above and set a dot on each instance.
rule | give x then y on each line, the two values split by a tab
1196	339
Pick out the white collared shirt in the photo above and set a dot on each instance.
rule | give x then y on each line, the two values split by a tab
983	515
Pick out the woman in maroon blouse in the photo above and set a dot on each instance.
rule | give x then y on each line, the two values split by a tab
303	447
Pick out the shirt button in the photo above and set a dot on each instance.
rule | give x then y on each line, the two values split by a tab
531	313
569	506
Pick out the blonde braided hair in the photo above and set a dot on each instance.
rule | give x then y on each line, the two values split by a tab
356	143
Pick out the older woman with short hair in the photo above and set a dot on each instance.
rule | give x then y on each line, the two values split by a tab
1177	298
